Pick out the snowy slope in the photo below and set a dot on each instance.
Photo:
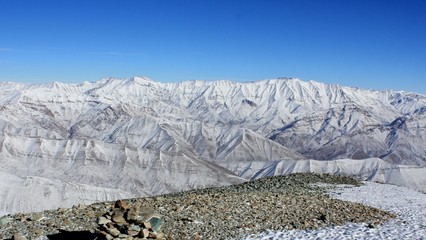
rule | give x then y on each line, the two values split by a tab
140	137
37	193
370	169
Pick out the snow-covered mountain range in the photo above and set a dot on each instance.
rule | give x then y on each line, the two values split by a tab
63	144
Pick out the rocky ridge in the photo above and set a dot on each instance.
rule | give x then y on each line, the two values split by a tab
273	203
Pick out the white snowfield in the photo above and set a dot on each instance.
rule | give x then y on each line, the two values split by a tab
409	206
371	169
135	137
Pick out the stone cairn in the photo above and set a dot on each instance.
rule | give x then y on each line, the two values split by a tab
125	222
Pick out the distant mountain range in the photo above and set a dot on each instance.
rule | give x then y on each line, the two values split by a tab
63	144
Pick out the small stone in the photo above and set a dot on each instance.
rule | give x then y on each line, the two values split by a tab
132	232
91	214
78	206
113	231
144	233
36	217
19	237
109	225
372	225
146	225
67	222
135	228
152	235
105	235
121	204
21	217
133	213
187	219
152	217
49	223
155	223
103	220
5	220
118	216
38	232
160	235
43	237
196	237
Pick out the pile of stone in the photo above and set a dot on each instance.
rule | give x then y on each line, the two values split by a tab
125	222
97	221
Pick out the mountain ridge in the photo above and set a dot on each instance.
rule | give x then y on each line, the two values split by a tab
152	138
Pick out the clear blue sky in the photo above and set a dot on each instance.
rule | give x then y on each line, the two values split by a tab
365	43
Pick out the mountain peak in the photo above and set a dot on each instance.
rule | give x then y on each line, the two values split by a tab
142	79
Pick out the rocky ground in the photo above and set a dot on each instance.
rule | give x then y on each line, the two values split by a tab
275	203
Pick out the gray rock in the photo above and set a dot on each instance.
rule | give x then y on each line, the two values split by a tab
102	221
36	217
121	204
156	223
113	231
135	228
144	233
132	232
118	216
5	220
19	237
146	225
43	237
133	213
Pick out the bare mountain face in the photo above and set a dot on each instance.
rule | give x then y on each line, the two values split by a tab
136	137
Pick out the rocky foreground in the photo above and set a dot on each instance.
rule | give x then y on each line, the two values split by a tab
275	203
